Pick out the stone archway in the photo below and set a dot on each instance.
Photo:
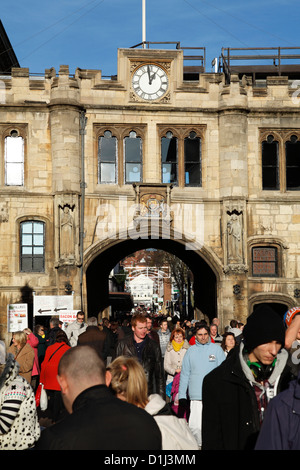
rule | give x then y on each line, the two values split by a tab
279	302
103	256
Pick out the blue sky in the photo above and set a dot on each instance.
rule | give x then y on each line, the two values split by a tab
88	33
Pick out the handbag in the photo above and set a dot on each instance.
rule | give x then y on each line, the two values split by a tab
168	389
38	395
41	398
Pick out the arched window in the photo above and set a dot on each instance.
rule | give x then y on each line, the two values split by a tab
32	246
181	154
192	160
14	159
292	159
270	164
169	158
281	159
120	153
133	158
107	158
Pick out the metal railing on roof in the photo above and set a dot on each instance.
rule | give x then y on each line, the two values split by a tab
197	58
277	60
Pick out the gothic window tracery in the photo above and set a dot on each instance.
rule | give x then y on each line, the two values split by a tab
281	160
120	154
181	155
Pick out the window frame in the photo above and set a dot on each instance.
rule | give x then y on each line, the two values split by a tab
173	164
120	132
289	166
276	263
182	132
101	162
191	161
282	136
264	166
33	256
5	131
128	162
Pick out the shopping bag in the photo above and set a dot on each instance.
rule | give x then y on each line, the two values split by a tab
38	395
43	399
168	389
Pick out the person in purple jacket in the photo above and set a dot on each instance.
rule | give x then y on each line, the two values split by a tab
281	426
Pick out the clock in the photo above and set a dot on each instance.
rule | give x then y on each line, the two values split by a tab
150	82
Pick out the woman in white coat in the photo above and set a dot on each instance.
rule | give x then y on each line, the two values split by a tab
126	378
174	354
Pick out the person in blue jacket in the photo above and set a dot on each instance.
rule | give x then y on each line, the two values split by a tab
199	360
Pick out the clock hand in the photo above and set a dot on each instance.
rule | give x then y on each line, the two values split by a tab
152	78
148	70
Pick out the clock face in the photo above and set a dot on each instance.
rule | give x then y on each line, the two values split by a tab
150	82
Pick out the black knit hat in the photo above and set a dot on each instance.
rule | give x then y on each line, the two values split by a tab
263	326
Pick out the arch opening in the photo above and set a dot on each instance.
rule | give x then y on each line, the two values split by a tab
204	278
278	307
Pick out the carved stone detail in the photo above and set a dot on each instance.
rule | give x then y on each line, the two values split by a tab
3	212
152	205
234	233
67	231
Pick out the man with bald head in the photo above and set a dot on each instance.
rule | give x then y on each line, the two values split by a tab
97	420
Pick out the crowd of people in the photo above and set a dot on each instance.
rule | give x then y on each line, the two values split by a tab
133	385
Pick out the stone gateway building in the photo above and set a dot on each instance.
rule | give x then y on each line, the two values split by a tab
163	155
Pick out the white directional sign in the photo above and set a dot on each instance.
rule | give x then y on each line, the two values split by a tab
51	305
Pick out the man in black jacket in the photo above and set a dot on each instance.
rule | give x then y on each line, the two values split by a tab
148	353
235	395
98	420
94	337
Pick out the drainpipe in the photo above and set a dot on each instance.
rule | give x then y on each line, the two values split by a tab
83	121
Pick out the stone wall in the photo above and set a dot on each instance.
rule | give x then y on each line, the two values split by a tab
236	214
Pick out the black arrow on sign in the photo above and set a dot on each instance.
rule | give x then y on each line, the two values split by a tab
41	311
